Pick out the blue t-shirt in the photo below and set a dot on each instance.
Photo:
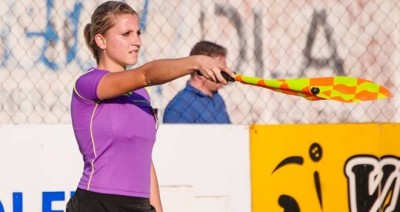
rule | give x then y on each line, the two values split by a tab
192	106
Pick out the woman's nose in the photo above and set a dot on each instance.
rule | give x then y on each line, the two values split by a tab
136	41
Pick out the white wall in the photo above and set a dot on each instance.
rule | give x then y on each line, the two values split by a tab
200	167
211	163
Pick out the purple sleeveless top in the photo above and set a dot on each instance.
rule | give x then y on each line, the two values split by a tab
115	137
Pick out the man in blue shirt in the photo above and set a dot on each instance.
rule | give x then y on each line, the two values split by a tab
199	101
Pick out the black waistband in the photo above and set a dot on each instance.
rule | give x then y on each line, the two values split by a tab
113	197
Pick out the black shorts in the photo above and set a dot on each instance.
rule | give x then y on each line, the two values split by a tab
87	201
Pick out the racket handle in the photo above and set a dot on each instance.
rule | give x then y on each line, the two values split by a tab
224	75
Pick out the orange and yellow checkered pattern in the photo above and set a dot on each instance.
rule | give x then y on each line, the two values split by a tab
339	88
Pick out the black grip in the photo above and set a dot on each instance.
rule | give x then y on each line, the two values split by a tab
224	75
227	77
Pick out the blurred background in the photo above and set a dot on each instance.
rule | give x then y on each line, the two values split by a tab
42	52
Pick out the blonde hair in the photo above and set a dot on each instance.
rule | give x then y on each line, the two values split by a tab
102	20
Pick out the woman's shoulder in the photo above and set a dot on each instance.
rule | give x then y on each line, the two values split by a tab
86	84
92	74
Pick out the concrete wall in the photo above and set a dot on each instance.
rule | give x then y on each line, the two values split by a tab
221	168
200	168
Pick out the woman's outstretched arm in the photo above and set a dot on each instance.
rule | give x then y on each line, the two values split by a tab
158	72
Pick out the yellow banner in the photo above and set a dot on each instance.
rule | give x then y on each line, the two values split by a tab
331	167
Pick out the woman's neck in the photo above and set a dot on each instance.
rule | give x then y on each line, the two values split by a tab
110	66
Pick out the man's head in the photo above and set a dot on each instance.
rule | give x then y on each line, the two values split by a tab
213	50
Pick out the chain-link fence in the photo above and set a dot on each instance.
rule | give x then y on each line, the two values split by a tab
42	52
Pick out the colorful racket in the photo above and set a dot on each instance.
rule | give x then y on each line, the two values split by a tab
339	88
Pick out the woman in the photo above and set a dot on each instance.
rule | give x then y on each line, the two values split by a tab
112	117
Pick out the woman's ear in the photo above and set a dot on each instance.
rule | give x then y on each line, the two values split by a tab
100	41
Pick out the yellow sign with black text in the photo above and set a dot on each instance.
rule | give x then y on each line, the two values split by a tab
325	167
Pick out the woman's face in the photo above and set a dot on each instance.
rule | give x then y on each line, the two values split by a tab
122	41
